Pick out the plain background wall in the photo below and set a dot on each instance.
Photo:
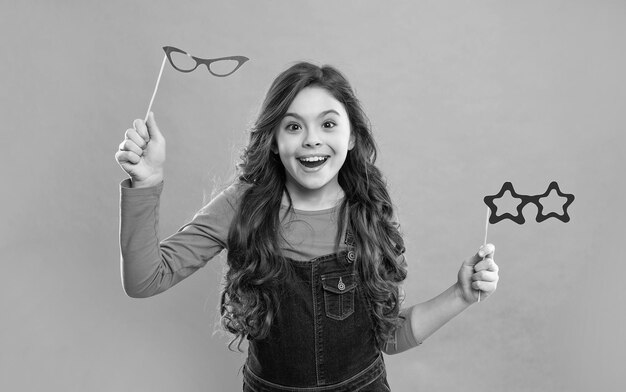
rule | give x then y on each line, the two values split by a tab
462	95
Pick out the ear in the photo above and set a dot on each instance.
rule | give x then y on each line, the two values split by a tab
274	148
352	141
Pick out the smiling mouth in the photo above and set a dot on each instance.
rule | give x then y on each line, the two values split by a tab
313	161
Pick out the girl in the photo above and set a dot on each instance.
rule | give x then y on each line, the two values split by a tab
315	256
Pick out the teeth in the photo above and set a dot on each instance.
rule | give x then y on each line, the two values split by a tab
313	159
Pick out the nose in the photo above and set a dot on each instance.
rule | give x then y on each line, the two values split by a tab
312	138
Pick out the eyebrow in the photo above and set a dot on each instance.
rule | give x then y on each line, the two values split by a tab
322	114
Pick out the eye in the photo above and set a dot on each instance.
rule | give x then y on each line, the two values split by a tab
293	127
329	124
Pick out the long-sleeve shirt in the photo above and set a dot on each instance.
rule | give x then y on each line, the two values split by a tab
150	266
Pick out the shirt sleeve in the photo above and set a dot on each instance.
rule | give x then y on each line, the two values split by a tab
150	266
403	338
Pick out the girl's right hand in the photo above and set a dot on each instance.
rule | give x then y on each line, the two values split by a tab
142	153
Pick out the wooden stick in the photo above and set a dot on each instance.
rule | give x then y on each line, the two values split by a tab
485	240
156	87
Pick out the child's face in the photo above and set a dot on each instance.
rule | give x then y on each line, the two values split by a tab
312	141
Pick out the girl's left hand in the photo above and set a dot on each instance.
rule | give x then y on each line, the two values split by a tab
478	274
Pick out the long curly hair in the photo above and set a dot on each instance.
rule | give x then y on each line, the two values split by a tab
256	266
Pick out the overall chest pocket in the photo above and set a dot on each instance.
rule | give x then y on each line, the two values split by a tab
339	290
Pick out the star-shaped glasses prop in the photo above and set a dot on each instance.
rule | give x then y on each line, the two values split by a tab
184	62
527	199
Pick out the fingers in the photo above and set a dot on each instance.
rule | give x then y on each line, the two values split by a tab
480	272
123	157
486	276
136	139
487	264
141	129
483	252
131	148
486	251
133	135
153	129
486	287
130	145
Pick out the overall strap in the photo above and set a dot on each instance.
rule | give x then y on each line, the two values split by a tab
350	243
349	239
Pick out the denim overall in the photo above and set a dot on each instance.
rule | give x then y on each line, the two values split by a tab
322	338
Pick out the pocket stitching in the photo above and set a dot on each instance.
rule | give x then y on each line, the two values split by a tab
331	291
